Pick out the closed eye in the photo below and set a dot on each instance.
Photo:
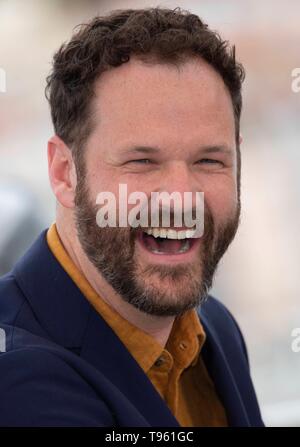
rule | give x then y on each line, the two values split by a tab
210	161
141	161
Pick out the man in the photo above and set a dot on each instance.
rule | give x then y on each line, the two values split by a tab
113	326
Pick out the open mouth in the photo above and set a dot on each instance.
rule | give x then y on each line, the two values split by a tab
167	241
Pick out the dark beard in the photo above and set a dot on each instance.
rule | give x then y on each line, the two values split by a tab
112	252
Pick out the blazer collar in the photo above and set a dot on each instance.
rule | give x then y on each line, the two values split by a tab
57	303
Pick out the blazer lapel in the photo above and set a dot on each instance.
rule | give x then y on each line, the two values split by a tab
107	353
221	374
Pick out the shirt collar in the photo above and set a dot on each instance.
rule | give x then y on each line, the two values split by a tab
186	338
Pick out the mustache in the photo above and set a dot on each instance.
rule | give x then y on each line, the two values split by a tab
174	219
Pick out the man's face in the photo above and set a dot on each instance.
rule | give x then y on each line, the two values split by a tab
186	116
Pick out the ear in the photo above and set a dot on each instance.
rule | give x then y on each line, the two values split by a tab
240	138
62	173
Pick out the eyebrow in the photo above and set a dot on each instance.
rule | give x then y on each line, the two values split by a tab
143	150
154	150
215	149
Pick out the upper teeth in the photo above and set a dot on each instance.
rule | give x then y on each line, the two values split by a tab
170	234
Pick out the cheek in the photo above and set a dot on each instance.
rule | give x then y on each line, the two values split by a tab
99	180
222	200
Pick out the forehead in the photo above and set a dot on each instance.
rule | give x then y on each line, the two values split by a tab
147	101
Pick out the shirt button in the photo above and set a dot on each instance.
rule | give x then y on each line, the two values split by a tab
159	361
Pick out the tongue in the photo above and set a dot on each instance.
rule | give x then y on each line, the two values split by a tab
161	244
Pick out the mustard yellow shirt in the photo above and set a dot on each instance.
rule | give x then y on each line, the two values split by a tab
177	370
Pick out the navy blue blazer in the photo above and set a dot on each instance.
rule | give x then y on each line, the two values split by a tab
64	366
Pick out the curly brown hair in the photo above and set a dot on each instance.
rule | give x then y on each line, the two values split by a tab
157	34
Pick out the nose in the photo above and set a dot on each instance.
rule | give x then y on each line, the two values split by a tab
177	177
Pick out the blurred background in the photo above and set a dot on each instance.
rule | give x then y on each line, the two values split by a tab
259	277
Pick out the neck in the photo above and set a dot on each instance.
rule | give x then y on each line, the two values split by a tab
157	327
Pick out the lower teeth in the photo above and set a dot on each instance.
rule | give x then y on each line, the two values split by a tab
183	249
185	246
